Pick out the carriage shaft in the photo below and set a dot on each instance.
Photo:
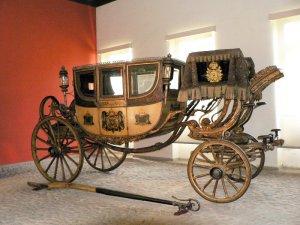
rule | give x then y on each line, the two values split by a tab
183	207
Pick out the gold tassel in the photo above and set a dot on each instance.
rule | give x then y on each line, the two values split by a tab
182	96
210	92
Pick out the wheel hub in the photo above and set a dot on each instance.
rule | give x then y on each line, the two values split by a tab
216	173
53	151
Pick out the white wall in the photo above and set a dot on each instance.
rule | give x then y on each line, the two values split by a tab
239	24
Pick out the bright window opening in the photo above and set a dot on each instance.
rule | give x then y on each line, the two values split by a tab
180	45
117	53
286	34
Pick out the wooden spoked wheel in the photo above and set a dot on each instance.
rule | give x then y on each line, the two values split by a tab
256	157
102	158
49	107
210	167
56	150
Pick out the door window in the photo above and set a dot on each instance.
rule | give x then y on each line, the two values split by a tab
142	78
112	82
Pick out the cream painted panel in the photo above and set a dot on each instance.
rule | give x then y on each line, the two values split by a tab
84	111
142	119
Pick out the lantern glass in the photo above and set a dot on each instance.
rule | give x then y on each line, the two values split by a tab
167	73
64	81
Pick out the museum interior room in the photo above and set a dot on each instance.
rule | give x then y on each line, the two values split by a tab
149	112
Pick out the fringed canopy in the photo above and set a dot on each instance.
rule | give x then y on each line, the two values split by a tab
220	73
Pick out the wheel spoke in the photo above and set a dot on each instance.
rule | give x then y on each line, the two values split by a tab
101	154
208	182
56	166
213	153
97	155
234	165
42	140
93	151
48	135
45	157
240	172
65	136
200	176
73	151
69	157
52	132
222	155
50	164
206	159
62	168
43	149
67	164
201	166
107	158
224	187
215	188
68	143
232	184
231	158
111	152
255	167
58	133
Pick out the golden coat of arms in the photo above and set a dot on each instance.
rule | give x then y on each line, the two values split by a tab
214	72
113	121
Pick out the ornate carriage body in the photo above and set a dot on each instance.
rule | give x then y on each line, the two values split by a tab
116	103
127	101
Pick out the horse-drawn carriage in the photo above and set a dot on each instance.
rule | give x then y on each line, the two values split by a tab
122	102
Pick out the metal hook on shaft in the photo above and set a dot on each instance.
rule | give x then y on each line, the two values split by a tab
186	205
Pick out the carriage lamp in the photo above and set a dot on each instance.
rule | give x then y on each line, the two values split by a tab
64	82
168	75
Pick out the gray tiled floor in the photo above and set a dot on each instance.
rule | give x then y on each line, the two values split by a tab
272	198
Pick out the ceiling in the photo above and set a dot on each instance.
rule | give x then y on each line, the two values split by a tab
93	3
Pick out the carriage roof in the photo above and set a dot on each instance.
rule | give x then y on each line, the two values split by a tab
133	61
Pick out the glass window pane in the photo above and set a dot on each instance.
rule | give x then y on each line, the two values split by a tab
174	84
142	78
87	84
112	82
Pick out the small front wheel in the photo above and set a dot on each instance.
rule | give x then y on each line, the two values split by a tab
210	170
56	150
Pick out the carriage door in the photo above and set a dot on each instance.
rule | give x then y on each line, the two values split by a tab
112	103
144	97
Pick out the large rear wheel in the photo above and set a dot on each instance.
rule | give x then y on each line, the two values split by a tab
56	150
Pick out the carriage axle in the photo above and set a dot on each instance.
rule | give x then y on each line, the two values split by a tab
184	206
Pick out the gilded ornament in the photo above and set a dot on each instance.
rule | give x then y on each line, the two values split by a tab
113	121
214	72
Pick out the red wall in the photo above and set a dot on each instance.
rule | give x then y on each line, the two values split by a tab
37	37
